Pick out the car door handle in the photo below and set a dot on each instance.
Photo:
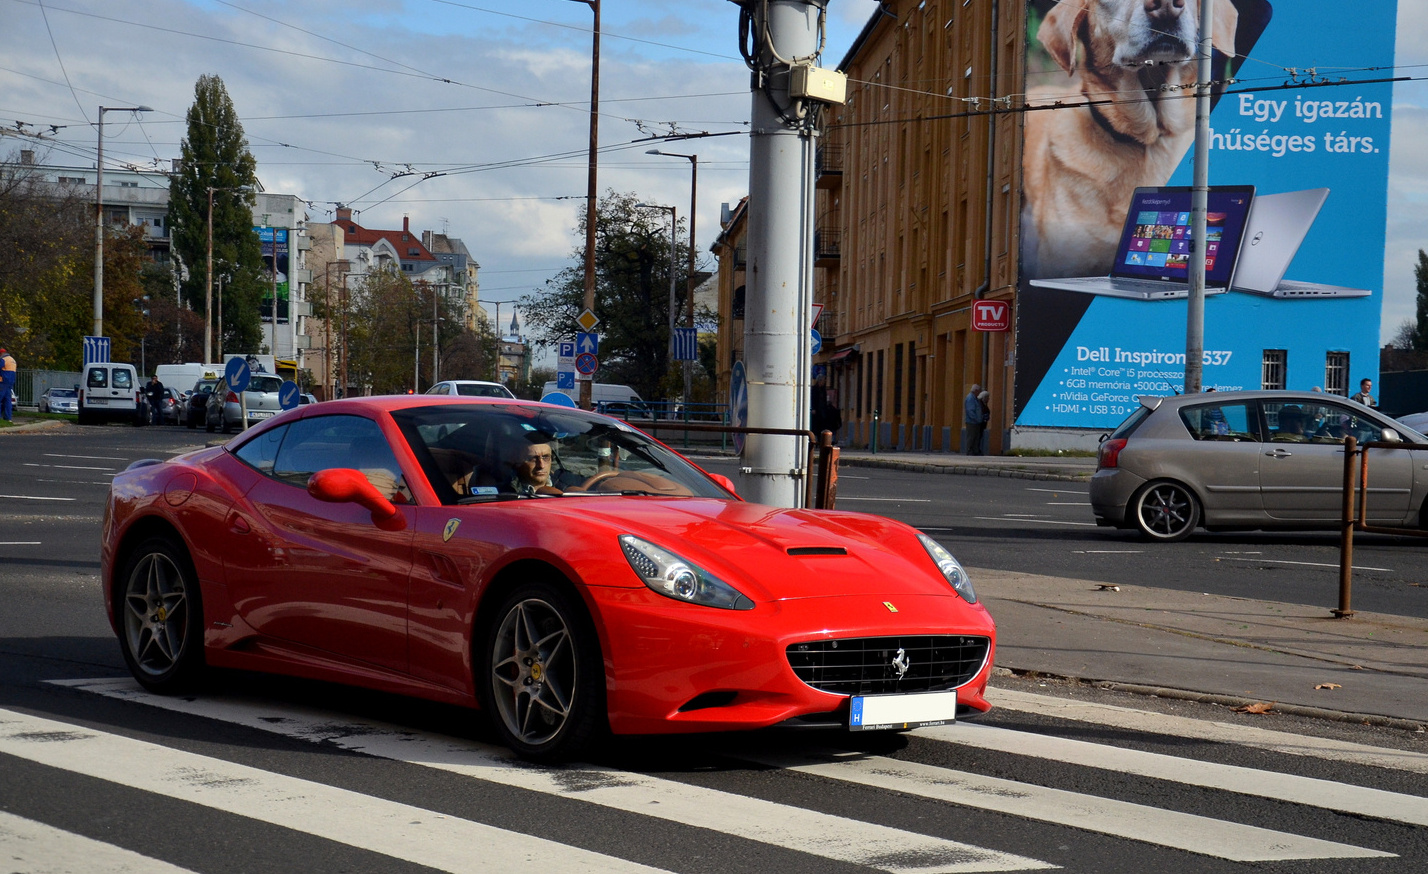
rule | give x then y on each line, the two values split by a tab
237	524
1279	453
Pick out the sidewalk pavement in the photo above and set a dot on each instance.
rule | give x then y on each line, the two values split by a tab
1236	651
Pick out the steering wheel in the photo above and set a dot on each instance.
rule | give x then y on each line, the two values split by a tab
595	480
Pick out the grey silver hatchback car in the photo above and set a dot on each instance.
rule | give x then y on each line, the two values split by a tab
1251	459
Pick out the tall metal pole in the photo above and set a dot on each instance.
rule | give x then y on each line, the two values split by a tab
689	279
777	342
1199	204
208	289
591	188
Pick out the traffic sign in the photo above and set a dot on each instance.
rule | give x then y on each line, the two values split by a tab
586	363
565	379
587	321
817	312
686	344
288	395
817	341
559	398
96	350
738	403
587	342
565	349
237	374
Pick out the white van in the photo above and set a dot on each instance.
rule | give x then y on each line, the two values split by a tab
617	400
185	376
109	390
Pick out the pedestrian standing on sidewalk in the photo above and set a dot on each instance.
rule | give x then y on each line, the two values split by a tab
1363	395
154	391
985	399
974	416
7	384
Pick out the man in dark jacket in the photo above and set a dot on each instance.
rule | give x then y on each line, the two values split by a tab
154	391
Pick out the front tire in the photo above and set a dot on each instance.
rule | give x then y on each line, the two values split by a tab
159	613
1166	511
542	674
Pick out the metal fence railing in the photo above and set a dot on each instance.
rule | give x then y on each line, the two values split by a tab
1355	511
30	384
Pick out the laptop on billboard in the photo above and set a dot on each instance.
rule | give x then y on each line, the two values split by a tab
1152	259
1276	229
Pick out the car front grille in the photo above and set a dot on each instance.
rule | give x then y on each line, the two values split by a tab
879	665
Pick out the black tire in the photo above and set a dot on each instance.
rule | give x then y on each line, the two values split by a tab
84	418
158	610
541	677
1165	511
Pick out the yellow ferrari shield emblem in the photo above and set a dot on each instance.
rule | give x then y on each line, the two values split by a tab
889	605
451	526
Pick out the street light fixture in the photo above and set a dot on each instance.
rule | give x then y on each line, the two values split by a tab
689	280
99	218
673	224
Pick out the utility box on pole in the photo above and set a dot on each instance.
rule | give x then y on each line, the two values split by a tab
780	43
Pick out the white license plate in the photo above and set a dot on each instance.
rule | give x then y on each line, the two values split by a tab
901	711
99	401
261	414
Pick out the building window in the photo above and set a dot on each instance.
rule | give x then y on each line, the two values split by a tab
911	380
1272	371
737	308
897	380
71	180
1336	373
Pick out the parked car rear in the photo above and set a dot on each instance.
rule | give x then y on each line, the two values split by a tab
110	390
260	400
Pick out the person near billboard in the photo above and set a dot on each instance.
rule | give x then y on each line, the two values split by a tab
974	415
1363	395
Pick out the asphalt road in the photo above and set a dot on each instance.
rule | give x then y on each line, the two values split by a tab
264	774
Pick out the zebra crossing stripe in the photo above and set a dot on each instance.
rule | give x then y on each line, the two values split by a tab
1325	794
1137	822
398	830
1205	730
795	828
26	845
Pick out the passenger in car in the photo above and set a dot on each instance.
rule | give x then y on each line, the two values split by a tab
1291	425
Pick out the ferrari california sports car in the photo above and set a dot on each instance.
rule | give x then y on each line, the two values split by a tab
557	569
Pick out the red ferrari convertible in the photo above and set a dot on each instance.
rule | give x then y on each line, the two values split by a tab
558	569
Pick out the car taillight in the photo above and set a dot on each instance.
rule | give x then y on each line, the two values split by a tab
1109	455
232	398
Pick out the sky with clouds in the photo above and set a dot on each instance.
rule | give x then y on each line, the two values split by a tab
471	118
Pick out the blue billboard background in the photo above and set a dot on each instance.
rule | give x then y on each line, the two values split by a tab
1082	360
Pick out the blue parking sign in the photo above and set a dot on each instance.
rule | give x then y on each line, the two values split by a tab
565	379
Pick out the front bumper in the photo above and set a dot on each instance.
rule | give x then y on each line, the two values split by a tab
673	667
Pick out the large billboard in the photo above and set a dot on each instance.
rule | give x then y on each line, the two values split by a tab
1298	159
275	265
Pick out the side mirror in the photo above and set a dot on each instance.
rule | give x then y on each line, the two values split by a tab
341	485
725	482
1390	436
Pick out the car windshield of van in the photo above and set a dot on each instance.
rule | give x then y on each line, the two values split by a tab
476	453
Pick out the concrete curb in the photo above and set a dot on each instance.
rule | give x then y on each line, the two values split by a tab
1232	701
968	469
46	425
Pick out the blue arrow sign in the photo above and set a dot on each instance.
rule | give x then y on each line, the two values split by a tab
817	341
237	374
686	344
587	343
288	395
96	350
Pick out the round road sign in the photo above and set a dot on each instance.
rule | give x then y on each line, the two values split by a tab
587	363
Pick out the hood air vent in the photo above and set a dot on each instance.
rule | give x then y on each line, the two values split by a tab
817	550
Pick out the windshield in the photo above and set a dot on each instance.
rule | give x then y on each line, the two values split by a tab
63	393
476	390
264	384
492	452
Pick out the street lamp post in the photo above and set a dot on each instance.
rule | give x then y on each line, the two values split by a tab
689	280
673	225
99	218
590	189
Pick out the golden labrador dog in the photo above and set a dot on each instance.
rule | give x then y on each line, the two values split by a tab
1132	60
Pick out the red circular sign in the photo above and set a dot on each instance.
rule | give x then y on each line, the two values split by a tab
587	363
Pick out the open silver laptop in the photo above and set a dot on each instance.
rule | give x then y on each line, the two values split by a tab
1153	259
1277	226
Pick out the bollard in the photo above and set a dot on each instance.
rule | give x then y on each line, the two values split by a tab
1346	535
873	443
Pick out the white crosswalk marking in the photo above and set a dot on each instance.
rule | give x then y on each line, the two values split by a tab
1217	732
386	827
832	837
1326	794
1183	831
35	848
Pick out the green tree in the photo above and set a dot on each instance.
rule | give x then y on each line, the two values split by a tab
215	155
1418	339
632	264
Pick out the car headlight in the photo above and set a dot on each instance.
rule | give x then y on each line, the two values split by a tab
673	577
951	569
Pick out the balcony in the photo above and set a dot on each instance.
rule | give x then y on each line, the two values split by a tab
828	240
828	165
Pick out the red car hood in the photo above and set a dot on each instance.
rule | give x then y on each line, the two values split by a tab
771	553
